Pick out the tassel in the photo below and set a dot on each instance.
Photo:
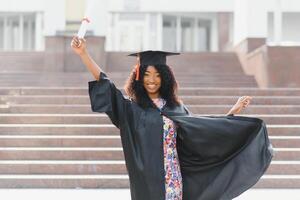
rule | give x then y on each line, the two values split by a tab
137	72
137	69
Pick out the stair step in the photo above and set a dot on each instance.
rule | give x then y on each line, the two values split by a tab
61	129
116	181
122	80
286	154
210	83
189	100
54	119
196	109
6	121
67	181
62	142
283	130
198	91
104	141
109	129
279	181
57	167
103	153
284	168
61	153
63	167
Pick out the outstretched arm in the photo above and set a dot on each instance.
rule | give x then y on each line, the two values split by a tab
80	48
105	97
242	103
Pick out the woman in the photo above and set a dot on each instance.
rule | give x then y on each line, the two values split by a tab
171	154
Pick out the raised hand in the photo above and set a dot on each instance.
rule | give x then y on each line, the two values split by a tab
241	104
78	45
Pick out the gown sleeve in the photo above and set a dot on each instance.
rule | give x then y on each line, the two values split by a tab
106	98
221	156
187	111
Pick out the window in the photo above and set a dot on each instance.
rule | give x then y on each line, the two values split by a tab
189	33
169	33
17	31
291	28
29	33
1	33
204	28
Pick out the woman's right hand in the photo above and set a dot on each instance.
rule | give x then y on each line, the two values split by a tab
78	45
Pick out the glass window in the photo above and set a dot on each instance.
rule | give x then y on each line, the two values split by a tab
1	33
194	33
270	27
18	32
187	35
291	28
12	32
203	32
28	33
169	33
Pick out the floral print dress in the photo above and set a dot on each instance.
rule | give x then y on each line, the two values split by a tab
173	178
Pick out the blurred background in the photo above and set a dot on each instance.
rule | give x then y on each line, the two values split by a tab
261	33
134	25
50	139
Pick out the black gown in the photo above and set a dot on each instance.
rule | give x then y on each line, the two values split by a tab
220	156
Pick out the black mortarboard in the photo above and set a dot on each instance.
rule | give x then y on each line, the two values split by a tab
151	58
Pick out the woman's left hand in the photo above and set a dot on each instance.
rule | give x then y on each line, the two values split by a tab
241	103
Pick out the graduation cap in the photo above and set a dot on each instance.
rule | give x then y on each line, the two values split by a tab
151	58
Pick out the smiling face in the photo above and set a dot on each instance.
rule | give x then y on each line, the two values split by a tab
152	82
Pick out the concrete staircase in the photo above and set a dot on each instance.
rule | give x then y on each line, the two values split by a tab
49	138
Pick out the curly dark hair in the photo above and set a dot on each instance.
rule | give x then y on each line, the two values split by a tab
168	90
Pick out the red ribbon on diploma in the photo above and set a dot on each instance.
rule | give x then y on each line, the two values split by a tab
86	19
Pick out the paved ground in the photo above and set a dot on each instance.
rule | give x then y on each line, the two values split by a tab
64	194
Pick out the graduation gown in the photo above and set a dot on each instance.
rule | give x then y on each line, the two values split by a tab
220	156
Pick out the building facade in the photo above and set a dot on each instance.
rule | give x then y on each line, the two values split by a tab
133	25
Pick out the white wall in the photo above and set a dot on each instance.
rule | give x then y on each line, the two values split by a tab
100	13
290	5
116	5
291	27
239	25
199	5
250	20
55	19
287	5
19	5
187	5
99	16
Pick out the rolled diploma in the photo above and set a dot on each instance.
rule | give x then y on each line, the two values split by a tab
83	27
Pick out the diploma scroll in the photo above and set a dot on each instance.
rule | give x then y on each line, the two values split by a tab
83	27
